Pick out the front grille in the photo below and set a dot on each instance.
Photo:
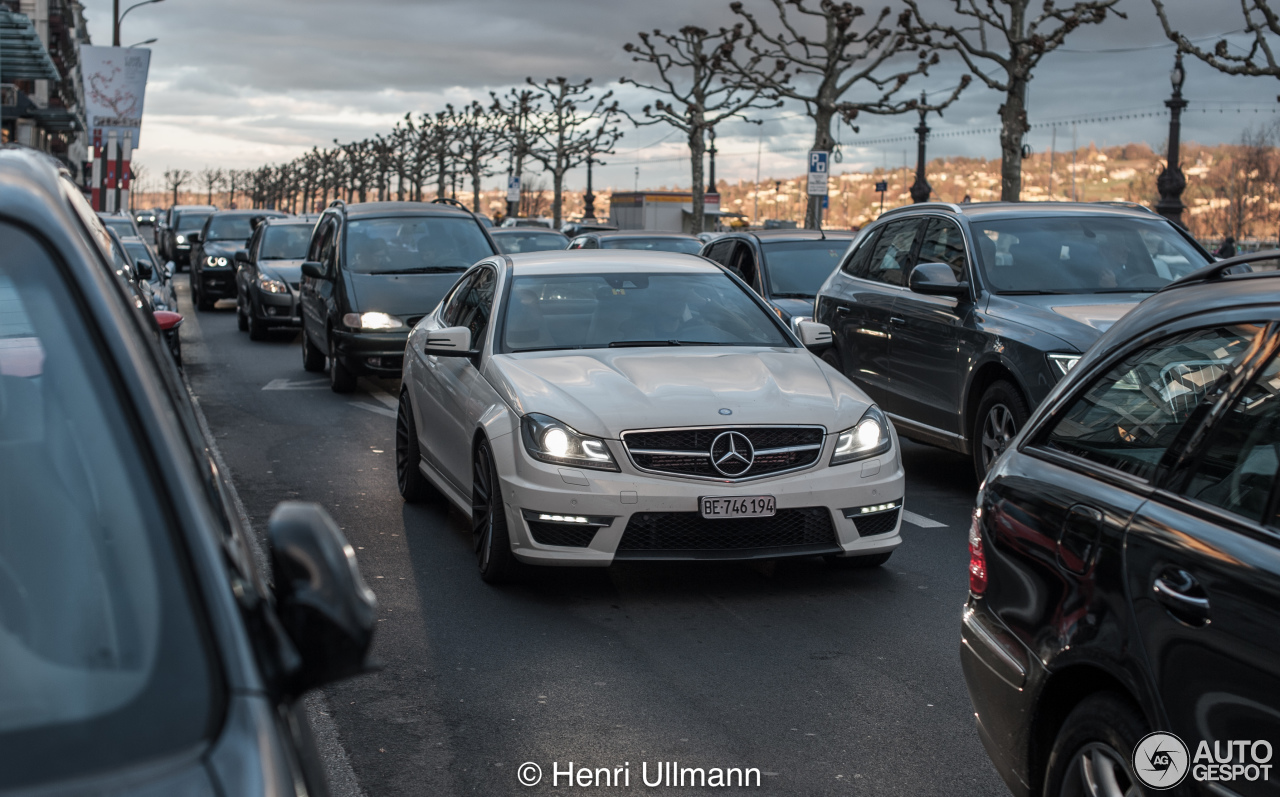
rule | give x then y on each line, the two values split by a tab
568	535
687	452
875	523
677	534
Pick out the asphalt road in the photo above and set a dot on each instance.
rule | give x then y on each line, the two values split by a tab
827	681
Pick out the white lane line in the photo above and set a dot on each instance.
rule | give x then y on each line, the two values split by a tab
922	521
380	394
306	384
379	410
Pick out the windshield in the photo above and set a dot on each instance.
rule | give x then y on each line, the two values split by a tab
798	268
1086	254
123	227
190	222
530	241
410	244
286	242
230	228
593	311
689	246
103	658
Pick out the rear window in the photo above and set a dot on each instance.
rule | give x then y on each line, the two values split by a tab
286	242
230	228
191	221
409	244
102	658
797	269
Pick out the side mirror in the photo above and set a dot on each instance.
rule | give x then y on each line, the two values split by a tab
936	279
171	267
143	268
814	335
242	256
313	269
322	601
193	237
449	342
167	320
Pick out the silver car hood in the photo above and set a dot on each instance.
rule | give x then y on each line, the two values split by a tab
604	392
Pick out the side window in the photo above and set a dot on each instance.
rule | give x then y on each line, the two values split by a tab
855	263
328	246
474	303
744	262
1237	470
720	251
317	242
889	259
1127	419
453	306
944	243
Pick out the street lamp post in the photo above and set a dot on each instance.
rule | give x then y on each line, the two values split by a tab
589	199
920	189
1171	183
117	17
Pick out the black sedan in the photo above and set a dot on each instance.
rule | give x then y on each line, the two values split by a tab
1125	557
786	267
173	236
213	253
143	650
268	274
511	240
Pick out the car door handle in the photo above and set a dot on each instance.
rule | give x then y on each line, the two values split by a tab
1180	593
842	310
893	319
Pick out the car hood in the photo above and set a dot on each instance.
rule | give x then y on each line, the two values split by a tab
404	295
1076	319
604	392
288	270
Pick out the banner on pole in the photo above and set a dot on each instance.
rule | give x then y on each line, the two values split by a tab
115	84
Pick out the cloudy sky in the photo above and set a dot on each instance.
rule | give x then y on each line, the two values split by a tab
238	83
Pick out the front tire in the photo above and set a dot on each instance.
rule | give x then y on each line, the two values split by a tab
414	488
242	319
489	521
1001	414
258	329
341	380
312	357
1090	757
197	295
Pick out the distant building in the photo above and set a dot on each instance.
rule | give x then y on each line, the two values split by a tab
659	210
41	93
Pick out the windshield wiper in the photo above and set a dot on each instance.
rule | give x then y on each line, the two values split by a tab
623	344
1035	293
423	270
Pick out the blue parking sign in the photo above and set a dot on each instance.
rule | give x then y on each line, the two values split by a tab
818	162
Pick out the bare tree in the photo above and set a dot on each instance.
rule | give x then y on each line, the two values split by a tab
518	108
821	71
564	136
175	179
477	140
1259	21
1240	193
1019	37
137	172
212	180
692	69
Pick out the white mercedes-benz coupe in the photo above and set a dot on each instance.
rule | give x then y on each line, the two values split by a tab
595	406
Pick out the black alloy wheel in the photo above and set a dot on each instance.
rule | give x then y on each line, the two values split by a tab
258	329
341	380
1000	416
489	521
1090	757
312	357
414	487
242	319
197	294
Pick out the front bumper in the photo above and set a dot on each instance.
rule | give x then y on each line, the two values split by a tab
182	254
217	283
645	516
275	309
378	354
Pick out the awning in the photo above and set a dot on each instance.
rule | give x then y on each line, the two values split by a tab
22	55
57	120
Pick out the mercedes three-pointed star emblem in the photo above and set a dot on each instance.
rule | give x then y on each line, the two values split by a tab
732	453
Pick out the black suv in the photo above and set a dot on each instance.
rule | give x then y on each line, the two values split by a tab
269	274
1125	556
958	319
173	238
213	254
373	270
786	267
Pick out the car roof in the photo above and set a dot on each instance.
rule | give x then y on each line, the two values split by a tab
974	210
271	214
193	207
771	236
594	261
525	231
386	209
278	221
638	234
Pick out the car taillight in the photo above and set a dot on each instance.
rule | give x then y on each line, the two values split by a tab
977	560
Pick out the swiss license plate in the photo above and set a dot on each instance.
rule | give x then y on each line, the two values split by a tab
713	507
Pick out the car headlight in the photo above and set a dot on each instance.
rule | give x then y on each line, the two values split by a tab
182	239
547	439
870	437
271	285
1063	363
795	322
373	320
215	262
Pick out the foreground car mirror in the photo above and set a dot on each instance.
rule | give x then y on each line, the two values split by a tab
936	279
322	601
813	334
143	268
167	320
313	269
242	256
449	342
171	267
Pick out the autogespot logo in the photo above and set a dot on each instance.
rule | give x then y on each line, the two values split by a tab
1160	760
